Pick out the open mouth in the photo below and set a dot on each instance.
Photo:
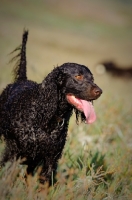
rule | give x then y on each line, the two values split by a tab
84	106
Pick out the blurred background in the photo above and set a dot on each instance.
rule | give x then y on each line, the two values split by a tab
82	31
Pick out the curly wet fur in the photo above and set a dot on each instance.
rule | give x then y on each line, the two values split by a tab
34	117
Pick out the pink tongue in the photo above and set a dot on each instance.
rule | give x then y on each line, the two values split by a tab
88	111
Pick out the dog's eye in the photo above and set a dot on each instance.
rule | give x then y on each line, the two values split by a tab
79	77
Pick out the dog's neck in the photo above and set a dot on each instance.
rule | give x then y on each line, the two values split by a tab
54	97
63	112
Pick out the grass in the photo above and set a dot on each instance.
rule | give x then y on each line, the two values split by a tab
96	163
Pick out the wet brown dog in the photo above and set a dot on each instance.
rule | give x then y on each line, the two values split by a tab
34	117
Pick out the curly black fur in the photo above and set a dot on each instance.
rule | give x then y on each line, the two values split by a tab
34	117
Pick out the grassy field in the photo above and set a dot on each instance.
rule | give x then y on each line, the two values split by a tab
97	159
96	163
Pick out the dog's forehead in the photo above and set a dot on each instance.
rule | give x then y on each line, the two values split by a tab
80	70
73	68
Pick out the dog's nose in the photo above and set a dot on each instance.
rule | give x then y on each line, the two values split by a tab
97	91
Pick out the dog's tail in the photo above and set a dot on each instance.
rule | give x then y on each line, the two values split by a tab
20	71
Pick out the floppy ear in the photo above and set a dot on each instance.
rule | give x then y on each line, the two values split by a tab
57	78
49	95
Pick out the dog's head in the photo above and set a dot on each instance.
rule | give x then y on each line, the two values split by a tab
80	90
